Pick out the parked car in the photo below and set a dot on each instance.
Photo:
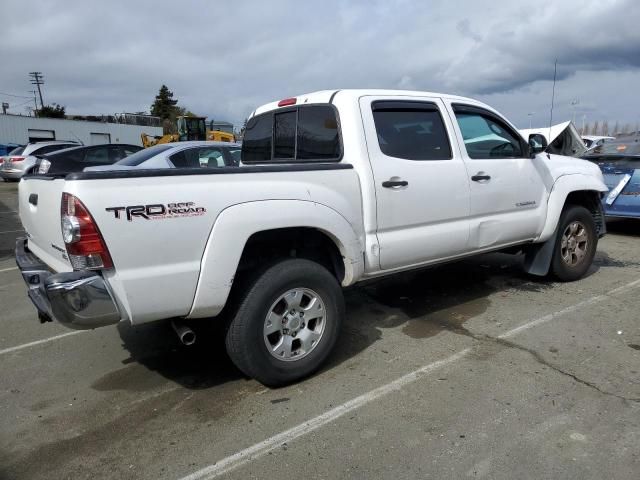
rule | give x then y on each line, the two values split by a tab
194	154
75	159
334	187
593	141
561	139
5	148
21	160
619	161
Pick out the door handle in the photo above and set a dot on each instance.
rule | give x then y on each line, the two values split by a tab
33	199
481	177
395	183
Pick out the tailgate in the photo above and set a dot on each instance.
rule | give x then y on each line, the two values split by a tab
39	207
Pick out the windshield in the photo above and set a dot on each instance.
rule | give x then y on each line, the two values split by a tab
16	151
143	155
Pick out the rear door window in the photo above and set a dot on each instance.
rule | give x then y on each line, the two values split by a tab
307	133
256	144
318	136
97	156
411	130
211	158
188	158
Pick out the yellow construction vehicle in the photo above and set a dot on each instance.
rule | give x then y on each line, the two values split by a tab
220	131
189	128
220	136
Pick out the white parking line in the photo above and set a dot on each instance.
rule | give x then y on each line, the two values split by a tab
40	342
8	269
259	449
572	308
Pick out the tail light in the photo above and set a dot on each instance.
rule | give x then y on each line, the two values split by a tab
84	242
17	159
43	168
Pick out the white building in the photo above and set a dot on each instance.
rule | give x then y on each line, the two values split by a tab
21	130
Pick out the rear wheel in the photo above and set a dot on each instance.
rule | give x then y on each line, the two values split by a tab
576	244
287	322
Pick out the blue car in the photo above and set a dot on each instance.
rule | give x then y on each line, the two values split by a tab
619	161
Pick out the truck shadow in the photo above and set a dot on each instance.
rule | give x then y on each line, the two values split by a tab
427	302
156	346
624	226
424	303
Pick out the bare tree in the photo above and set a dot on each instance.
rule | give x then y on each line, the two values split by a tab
585	129
616	128
626	129
595	130
605	128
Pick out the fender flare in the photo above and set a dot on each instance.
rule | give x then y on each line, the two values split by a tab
235	225
563	186
538	257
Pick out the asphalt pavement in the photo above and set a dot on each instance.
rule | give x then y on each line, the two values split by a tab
470	370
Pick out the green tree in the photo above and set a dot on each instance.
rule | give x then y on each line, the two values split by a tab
164	106
52	111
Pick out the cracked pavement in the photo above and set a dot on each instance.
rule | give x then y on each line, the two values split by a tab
558	399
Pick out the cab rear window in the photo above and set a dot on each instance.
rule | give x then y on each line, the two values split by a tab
306	133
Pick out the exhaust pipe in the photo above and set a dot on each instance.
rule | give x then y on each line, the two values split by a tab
185	334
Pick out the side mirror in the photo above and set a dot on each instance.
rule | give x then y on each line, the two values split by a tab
537	143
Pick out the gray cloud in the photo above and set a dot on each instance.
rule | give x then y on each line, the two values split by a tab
223	60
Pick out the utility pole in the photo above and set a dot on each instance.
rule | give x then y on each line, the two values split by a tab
530	115
5	105
37	79
574	102
35	102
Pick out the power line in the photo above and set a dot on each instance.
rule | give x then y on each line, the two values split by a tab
35	102
20	104
12	95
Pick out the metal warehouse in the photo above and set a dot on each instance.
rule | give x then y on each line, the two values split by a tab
21	130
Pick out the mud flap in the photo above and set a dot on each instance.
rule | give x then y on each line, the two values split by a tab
537	259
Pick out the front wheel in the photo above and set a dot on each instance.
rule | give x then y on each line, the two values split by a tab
576	244
287	322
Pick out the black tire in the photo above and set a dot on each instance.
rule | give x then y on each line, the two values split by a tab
245	340
561	268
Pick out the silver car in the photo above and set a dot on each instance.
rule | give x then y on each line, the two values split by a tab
205	154
21	160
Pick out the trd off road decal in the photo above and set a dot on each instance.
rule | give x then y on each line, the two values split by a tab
158	211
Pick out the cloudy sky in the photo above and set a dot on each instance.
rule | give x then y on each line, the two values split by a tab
222	59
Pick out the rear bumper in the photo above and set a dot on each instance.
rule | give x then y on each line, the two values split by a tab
12	174
79	300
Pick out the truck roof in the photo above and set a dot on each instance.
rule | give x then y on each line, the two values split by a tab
326	96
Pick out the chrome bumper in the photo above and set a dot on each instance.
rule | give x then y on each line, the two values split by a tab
79	300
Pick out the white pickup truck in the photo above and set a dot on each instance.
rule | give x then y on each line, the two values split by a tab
335	187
